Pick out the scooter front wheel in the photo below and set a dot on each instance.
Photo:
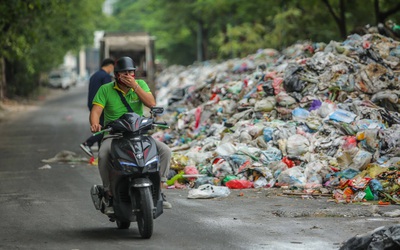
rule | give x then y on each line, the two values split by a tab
145	216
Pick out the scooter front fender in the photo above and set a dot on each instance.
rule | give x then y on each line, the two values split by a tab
141	182
146	183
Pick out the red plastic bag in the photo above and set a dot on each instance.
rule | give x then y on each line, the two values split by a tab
239	184
197	115
350	142
288	162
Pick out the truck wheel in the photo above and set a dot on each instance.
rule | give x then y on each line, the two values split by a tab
145	216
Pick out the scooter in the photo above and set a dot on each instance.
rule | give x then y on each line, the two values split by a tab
135	181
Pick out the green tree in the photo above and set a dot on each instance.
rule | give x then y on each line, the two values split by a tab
36	34
385	9
350	14
190	30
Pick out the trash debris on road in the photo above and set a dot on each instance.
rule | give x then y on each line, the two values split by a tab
66	156
208	191
47	166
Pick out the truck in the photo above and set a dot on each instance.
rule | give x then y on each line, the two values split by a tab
137	45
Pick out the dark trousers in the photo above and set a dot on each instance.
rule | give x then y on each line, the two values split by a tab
93	139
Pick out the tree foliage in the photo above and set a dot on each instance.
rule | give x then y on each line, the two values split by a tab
190	30
36	34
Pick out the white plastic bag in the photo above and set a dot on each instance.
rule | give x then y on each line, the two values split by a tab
206	191
292	177
226	149
297	145
260	182
341	115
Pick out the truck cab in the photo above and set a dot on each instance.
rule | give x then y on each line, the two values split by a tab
137	45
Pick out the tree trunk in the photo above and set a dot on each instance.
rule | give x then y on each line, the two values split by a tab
204	44
341	19
377	12
382	16
342	23
200	57
2	79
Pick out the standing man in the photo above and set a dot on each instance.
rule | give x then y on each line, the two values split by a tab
110	101
102	76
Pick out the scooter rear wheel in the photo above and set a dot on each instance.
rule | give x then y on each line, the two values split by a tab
145	216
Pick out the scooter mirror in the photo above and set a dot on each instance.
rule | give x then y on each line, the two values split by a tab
157	110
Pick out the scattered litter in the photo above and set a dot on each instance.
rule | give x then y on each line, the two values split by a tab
208	191
65	157
47	166
392	214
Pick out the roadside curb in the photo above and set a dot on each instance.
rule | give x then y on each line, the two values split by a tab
10	107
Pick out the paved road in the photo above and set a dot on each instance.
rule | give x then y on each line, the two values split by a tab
47	205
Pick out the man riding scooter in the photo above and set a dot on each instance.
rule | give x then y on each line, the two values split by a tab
115	99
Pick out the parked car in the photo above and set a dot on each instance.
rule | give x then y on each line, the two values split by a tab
61	79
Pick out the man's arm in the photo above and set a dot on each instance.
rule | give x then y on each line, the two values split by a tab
146	97
94	118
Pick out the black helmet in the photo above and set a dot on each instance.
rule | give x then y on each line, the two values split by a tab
123	64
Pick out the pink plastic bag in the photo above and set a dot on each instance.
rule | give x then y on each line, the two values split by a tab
350	142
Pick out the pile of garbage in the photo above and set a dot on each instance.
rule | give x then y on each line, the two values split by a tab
385	237
315	117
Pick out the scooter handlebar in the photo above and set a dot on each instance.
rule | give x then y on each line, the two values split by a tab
161	124
103	131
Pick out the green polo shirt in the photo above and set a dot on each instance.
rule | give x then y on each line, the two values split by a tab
107	97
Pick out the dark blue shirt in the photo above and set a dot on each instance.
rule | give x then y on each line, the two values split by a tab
96	80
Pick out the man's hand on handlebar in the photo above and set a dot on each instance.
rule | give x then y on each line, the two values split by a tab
95	128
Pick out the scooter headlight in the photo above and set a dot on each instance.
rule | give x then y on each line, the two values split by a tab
152	165
127	167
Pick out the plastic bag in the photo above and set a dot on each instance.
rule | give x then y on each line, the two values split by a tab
300	114
325	109
267	87
292	177
226	149
197	115
267	134
265	105
361	160
203	180
239	184
316	104
221	167
260	182
384	237
297	145
293	81
349	143
270	155
341	115
208	191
